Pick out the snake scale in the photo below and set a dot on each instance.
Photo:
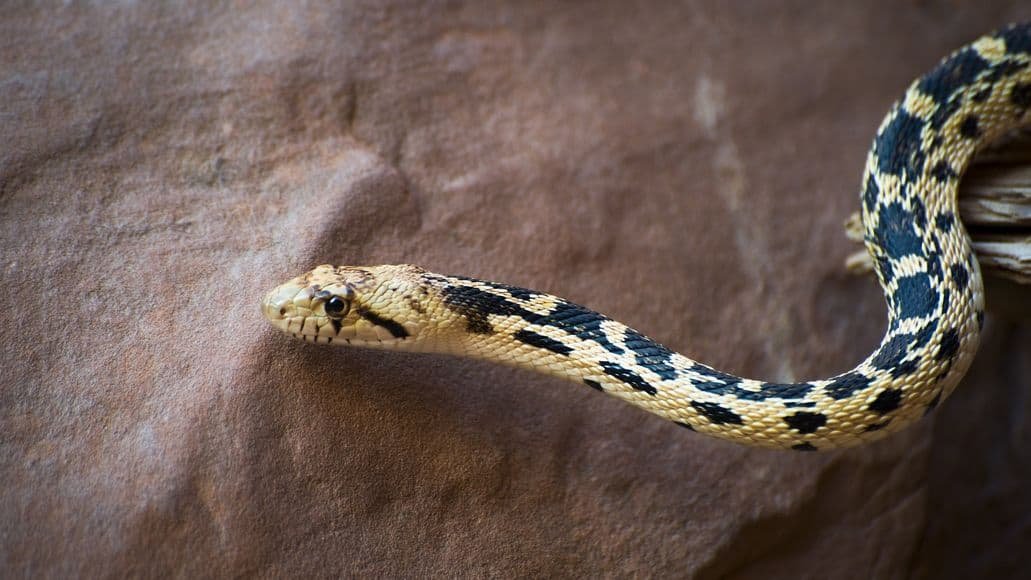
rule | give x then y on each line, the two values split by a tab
921	252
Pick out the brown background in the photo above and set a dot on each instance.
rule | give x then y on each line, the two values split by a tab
683	167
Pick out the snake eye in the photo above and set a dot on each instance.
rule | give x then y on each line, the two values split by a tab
336	307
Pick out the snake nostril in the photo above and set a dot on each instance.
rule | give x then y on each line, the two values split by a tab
282	310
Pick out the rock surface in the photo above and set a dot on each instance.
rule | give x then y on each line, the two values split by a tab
683	168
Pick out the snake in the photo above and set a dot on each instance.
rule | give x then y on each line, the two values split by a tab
921	252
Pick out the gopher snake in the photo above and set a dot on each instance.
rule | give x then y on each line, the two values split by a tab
921	251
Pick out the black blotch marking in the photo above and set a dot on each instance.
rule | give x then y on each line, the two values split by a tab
1021	96
685	425
1017	38
885	268
960	276
944	113
805	422
1003	69
577	321
925	333
943	172
944	221
914	296
904	368
594	385
540	341
628	377
980	319
392	326
514	291
716	413
721	383
893	322
887	401
844	386
949	345
780	391
650	354
982	95
876	426
895	233
477	306
892	353
807	446
898	146
871	192
970	128
796	404
956	72
919	212
725	384
934	263
936	242
946	300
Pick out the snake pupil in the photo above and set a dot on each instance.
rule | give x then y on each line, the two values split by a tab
336	306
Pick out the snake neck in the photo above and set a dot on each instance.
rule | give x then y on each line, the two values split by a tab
923	259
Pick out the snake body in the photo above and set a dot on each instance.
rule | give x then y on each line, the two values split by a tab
921	251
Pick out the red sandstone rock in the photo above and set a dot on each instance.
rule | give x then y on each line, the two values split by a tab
685	169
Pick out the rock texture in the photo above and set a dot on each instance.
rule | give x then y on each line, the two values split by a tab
684	167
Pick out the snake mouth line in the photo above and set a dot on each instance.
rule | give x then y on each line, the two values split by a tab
319	339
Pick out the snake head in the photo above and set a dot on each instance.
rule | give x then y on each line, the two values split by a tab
374	306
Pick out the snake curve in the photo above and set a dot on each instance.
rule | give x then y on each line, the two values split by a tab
921	252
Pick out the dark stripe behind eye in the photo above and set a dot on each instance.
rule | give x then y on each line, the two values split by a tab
393	327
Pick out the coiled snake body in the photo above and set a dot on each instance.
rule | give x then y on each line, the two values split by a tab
922	257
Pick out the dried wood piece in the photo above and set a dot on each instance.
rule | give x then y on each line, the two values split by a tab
995	206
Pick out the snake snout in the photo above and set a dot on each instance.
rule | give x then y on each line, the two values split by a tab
278	304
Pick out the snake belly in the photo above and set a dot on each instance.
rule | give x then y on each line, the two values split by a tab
921	252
